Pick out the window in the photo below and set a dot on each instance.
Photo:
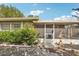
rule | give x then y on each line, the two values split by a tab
5	26
16	25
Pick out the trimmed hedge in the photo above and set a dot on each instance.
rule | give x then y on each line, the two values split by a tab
21	36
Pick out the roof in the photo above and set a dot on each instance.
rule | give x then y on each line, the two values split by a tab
37	21
57	22
20	19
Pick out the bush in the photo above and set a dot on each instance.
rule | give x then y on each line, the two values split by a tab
29	35
15	37
4	36
21	36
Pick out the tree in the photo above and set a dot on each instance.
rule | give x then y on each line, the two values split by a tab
75	12
76	9
10	11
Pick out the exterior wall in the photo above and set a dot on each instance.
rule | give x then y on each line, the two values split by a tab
14	25
9	25
27	24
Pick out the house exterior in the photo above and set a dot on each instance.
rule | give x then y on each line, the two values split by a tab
47	30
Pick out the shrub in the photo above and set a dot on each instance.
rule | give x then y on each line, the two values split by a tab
5	36
15	37
27	35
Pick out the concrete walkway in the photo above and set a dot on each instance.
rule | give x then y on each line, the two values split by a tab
49	43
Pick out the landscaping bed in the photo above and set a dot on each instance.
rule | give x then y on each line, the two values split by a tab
22	50
26	50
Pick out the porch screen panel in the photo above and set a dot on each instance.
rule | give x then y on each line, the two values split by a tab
69	31
59	31
75	31
49	31
40	30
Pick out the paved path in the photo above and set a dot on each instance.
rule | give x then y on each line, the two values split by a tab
49	43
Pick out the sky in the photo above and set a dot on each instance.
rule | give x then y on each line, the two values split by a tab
46	11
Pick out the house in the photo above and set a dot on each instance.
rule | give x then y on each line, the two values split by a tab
47	30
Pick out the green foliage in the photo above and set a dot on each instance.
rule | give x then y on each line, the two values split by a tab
21	36
29	25
29	35
9	11
4	36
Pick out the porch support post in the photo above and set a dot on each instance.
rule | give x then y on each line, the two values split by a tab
21	25
53	31
0	27
44	31
10	26
71	32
